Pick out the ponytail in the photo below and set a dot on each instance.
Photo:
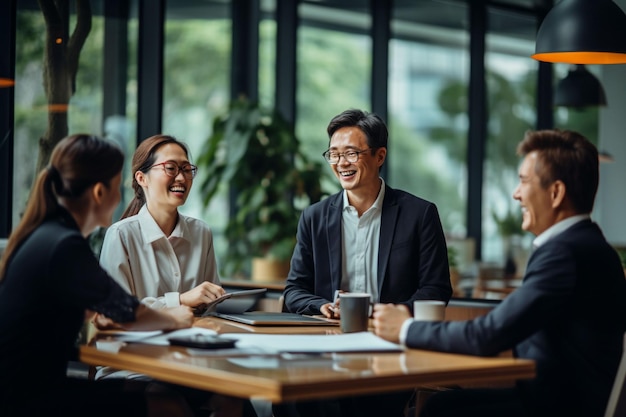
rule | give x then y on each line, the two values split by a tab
136	203
77	162
42	203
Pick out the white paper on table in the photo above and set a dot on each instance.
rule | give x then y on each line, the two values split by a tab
130	336
315	343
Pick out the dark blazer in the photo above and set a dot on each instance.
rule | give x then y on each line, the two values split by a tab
569	315
412	256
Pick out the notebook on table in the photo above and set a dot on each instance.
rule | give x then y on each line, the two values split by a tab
270	318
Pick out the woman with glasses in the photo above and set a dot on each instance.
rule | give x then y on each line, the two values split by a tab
164	258
154	250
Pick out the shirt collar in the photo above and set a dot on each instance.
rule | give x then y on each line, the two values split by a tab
151	230
558	228
377	203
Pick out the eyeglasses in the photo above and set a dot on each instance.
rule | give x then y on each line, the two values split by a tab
333	157
172	169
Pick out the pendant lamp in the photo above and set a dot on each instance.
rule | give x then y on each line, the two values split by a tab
579	89
6	82
583	32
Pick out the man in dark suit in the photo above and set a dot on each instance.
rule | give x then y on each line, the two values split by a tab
569	315
367	238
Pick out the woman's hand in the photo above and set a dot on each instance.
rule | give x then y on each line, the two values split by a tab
202	294
147	318
182	317
102	322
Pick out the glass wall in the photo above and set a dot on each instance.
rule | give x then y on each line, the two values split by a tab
511	103
31	116
428	77
333	71
45	115
267	54
196	80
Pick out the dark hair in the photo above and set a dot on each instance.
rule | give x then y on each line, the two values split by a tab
143	159
566	156
370	124
77	162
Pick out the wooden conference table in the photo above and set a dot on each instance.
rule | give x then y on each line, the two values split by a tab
314	377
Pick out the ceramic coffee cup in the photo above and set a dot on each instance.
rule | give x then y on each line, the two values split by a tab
429	310
355	311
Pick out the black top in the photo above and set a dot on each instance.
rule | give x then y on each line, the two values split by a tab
51	279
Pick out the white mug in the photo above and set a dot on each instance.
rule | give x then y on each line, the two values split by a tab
429	310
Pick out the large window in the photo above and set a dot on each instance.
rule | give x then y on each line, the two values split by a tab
333	71
85	112
511	84
196	77
428	77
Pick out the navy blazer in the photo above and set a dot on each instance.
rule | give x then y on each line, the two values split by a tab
569	315
412	256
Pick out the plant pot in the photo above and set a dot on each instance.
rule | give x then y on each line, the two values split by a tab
269	270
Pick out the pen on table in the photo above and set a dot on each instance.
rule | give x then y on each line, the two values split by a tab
334	308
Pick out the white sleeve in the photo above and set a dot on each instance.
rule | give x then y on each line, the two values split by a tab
404	330
171	299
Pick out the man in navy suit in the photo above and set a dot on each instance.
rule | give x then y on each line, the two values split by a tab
367	238
569	315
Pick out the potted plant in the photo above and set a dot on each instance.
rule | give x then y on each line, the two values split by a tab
255	151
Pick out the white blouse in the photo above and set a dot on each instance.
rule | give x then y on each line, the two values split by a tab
148	264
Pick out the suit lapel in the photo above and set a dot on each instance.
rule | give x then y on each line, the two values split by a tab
388	221
333	236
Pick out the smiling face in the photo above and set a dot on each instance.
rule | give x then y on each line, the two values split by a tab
362	175
538	203
163	192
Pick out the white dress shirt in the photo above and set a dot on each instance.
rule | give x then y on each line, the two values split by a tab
148	264
360	242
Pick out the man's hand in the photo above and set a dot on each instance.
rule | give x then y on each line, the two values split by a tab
202	294
330	310
388	319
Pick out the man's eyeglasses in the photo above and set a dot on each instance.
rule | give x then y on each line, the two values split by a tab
172	169
333	157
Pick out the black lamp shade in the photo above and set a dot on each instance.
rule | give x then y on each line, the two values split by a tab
583	32
579	89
